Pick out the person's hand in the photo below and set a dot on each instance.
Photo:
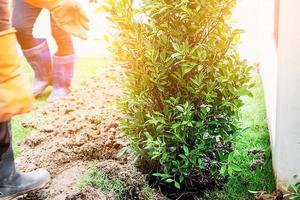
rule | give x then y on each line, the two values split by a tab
70	17
68	14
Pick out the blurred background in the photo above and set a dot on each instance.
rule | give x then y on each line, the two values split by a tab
95	45
256	17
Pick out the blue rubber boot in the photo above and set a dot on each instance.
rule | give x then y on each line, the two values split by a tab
63	70
39	58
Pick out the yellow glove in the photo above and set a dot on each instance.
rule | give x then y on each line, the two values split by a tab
68	14
15	93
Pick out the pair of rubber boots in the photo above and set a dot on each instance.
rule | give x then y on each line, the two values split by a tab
58	73
13	183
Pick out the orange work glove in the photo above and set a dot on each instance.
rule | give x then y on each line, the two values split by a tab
68	14
15	94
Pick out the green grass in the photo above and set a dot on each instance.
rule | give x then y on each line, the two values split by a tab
149	193
99	180
255	136
19	133
85	68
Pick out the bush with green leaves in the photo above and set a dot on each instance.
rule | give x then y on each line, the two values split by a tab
184	82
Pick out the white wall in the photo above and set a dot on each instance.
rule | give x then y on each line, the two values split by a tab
280	71
268	63
288	106
256	17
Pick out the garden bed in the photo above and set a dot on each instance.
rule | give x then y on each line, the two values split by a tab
74	136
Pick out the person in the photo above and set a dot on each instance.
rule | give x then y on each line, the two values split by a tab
37	53
15	95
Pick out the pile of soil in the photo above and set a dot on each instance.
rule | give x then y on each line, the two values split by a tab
73	134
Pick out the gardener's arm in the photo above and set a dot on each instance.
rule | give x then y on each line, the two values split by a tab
68	14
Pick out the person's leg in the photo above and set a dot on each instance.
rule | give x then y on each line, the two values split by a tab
23	20
35	50
4	25
63	40
63	63
7	164
4	138
15	99
13	183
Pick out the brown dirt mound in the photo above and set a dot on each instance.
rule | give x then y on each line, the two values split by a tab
74	133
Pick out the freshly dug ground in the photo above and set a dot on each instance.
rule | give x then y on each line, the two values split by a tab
76	133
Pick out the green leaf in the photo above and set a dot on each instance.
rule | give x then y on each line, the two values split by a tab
177	185
181	178
175	126
186	150
180	108
157	174
199	124
236	168
106	38
230	170
122	151
223	170
176	47
169	180
175	55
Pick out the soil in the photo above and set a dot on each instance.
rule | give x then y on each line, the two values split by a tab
277	195
75	133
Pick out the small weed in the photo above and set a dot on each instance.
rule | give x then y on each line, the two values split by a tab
149	193
99	180
292	190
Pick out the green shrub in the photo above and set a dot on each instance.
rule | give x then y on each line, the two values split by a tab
184	82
